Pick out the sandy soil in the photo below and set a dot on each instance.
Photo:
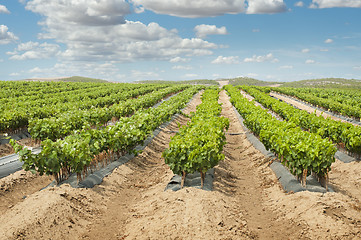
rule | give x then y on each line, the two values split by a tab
6	149
28	142
346	178
17	186
274	85
247	202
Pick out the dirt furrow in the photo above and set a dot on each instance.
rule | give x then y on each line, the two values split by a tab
243	163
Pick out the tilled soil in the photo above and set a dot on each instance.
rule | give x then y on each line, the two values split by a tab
6	149
247	202
18	186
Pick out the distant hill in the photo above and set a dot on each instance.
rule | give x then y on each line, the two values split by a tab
68	79
252	82
325	83
83	79
197	81
311	83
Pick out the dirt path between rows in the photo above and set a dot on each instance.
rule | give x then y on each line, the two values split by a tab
17	186
247	202
248	183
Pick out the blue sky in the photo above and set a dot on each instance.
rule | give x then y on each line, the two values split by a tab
124	41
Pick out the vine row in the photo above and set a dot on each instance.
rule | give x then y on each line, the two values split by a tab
302	152
87	149
198	145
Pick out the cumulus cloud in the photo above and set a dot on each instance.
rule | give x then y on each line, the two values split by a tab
181	67
286	67
266	58
141	75
299	4
305	50
310	61
96	31
193	9
106	70
324	50
211	8
191	75
329	40
83	12
179	59
3	9
34	50
335	3
6	37
226	60
266	6
204	30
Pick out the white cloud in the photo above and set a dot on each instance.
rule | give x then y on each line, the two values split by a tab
270	77
3	9
305	50
286	67
191	75
34	50
179	59
193	9
14	74
310	61
299	4
357	67
266	58
140	75
255	30
335	3
105	70
329	40
226	60
266	6
203	30
324	50
181	67
211	8
81	12
6	37
36	70
96	31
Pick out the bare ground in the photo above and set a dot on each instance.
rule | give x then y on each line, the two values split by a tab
247	202
5	150
17	186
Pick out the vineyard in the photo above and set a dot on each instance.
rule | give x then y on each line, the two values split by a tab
81	128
